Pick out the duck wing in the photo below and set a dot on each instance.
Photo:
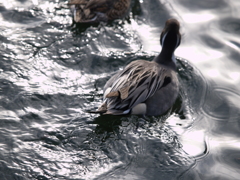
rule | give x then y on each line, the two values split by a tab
134	85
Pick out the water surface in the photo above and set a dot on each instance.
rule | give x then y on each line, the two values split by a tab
51	72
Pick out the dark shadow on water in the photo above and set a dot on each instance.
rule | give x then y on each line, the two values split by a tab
106	124
79	28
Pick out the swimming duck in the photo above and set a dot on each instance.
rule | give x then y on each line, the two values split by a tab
146	87
91	11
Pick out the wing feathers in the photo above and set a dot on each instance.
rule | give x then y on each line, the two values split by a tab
124	92
135	84
112	94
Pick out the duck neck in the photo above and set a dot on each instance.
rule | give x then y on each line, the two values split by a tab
166	57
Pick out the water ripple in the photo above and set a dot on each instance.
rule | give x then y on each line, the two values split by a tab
221	104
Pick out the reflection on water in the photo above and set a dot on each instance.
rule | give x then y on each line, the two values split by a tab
51	71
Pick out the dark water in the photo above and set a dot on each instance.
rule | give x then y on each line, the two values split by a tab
51	72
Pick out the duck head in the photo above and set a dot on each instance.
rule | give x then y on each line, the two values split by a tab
170	39
170	36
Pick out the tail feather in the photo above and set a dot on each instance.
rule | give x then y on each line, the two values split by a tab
102	109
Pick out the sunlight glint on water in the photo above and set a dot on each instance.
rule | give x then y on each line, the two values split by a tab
51	73
198	18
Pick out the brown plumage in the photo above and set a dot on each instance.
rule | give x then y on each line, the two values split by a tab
91	11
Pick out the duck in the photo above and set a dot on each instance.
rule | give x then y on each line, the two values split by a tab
146	87
94	11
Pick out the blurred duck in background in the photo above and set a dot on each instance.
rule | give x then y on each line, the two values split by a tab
93	11
146	87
